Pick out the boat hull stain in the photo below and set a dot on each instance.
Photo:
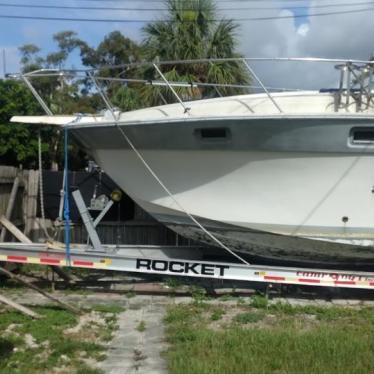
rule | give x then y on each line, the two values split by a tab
265	247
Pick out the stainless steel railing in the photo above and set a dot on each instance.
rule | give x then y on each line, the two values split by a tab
355	82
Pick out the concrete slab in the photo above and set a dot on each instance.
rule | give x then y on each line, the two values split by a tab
134	350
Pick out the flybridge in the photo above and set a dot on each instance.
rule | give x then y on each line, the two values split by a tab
178	261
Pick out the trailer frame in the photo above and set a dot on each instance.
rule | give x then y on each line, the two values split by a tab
178	261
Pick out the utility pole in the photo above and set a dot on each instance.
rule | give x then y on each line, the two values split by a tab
4	63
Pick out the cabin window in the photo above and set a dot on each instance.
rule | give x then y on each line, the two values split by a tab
364	135
213	133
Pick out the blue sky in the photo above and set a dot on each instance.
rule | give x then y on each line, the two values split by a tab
298	11
347	36
16	32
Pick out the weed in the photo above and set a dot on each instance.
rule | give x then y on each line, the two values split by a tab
180	313
173	282
130	294
259	302
217	314
198	294
141	326
248	317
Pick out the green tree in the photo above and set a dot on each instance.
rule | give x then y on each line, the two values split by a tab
66	94
192	31
30	59
18	142
114	50
59	92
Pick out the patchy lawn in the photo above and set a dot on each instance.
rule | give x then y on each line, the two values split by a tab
257	337
59	342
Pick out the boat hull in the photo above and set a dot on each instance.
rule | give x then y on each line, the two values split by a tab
284	189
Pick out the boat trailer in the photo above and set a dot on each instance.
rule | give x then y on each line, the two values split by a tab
186	261
177	261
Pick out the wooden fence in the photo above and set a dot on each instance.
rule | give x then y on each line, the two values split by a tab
19	197
19	203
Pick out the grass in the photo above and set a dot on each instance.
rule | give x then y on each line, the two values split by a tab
269	338
38	346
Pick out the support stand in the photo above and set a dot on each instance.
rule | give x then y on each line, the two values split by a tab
87	220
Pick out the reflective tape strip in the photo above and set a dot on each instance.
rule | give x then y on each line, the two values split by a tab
345	282
327	282
103	264
83	263
17	258
273	278
50	261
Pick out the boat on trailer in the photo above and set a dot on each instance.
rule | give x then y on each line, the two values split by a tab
285	177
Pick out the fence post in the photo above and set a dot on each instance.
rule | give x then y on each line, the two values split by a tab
31	200
10	207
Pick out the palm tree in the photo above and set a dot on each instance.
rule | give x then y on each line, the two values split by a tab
192	31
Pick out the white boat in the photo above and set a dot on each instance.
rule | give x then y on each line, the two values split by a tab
285	176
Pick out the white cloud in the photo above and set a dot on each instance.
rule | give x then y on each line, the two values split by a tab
303	29
348	36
